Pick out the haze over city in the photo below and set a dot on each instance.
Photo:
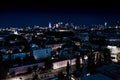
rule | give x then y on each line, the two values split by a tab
20	14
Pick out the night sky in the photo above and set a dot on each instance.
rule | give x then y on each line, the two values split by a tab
19	13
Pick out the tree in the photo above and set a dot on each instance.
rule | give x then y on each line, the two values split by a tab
78	63
19	41
35	76
68	69
118	57
0	58
48	63
61	76
107	56
91	65
4	69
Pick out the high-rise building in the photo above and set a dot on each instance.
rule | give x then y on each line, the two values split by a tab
117	24
105	24
49	25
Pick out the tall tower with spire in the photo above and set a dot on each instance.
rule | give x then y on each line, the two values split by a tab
105	24
49	25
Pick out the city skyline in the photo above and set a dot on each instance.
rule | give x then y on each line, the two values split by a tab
15	14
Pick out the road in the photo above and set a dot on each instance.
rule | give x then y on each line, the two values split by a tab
41	76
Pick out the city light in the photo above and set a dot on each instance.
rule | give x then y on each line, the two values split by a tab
85	57
49	49
114	49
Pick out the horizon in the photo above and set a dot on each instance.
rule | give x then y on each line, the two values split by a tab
39	13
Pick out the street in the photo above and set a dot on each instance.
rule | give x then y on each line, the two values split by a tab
41	76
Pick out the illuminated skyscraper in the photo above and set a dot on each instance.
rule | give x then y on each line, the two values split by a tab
105	24
49	25
117	24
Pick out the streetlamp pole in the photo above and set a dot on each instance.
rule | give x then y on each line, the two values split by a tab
70	57
85	66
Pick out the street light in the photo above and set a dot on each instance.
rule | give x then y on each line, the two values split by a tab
85	57
17	78
85	66
69	73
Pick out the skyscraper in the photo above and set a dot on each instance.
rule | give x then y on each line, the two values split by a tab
105	24
49	25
